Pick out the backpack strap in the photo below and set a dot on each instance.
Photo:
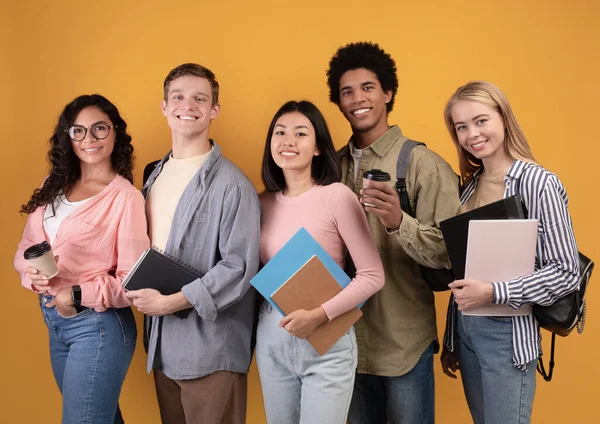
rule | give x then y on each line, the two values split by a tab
401	171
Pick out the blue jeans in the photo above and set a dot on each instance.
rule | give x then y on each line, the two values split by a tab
496	391
299	385
406	399
90	354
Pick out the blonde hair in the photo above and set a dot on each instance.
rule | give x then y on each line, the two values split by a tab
515	142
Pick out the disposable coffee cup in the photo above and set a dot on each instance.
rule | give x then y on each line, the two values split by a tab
374	175
41	258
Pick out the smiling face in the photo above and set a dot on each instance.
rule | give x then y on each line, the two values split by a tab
480	130
363	101
188	108
293	143
90	150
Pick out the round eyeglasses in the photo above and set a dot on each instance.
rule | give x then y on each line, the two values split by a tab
100	130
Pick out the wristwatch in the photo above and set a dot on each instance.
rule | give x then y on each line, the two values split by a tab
76	295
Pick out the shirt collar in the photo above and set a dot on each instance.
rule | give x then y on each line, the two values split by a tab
383	144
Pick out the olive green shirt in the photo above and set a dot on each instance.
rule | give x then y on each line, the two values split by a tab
398	322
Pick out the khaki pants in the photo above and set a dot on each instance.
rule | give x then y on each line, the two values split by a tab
218	398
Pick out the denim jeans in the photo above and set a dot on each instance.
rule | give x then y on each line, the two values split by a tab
90	354
406	399
299	385
496	391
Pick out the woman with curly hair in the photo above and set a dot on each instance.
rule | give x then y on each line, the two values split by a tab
94	219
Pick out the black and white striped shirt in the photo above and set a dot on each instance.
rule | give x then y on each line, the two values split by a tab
557	266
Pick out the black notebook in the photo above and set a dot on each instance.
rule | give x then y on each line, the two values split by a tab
456	229
162	272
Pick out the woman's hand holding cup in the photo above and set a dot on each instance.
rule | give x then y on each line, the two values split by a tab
39	282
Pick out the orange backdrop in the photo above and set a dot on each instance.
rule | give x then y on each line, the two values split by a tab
543	55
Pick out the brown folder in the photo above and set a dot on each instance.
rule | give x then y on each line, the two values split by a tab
310	287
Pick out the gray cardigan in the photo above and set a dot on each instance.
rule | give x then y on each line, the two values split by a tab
216	230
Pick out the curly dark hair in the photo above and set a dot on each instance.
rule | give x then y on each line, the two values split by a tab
65	168
362	55
325	169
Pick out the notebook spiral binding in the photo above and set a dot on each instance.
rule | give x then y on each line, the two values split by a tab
181	264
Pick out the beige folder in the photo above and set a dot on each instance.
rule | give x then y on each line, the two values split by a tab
310	287
500	250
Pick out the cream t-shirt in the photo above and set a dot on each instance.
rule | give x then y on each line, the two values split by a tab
490	188
165	193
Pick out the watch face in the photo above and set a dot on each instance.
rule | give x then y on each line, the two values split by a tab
76	295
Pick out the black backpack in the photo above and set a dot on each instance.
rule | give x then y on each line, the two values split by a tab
565	314
438	279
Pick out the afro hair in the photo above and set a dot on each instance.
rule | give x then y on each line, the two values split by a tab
362	55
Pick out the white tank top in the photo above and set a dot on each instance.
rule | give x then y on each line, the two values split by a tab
62	209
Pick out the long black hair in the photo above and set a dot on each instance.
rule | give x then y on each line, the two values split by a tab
325	168
65	167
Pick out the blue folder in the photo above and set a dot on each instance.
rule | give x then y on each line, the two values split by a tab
292	256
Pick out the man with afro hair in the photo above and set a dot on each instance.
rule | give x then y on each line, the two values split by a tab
397	335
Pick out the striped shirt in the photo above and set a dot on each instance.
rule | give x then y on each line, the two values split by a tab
556	265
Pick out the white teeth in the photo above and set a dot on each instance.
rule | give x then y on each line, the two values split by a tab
188	118
95	149
289	154
361	111
478	145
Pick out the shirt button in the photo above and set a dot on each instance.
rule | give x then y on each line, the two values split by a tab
404	233
420	248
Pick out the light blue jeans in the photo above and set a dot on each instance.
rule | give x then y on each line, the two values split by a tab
299	385
405	399
496	391
90	354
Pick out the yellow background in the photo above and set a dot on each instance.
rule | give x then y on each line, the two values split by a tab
544	55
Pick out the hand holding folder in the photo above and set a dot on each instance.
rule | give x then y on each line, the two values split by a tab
308	289
302	275
500	250
456	229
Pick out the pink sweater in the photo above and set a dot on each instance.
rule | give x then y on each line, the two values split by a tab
334	217
98	243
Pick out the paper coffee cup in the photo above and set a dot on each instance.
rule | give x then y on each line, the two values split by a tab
374	175
41	258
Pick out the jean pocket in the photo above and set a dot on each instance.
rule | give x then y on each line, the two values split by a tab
81	314
500	319
265	309
127	324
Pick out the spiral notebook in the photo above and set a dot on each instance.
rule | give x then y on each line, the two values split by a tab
159	271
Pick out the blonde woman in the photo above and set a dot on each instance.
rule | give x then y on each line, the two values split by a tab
497	356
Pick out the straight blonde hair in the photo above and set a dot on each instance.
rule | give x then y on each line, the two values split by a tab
515	142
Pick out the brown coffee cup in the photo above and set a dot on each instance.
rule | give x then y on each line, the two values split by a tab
41	258
374	175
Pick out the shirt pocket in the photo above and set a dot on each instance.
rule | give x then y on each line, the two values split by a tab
195	236
92	238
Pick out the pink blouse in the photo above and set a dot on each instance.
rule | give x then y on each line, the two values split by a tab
97	245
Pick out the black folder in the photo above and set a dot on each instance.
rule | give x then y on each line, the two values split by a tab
456	229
